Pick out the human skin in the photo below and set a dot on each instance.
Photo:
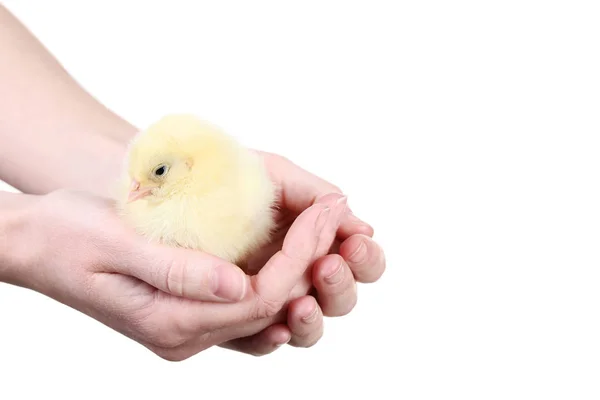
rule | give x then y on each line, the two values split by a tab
72	247
47	115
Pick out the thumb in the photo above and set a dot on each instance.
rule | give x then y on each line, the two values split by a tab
186	273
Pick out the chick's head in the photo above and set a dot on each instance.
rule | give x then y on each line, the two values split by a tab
177	154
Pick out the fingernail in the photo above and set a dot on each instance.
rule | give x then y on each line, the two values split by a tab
310	318
342	207
335	274
341	200
284	342
322	219
359	254
229	283
357	221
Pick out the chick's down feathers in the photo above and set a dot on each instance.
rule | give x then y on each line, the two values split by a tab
186	183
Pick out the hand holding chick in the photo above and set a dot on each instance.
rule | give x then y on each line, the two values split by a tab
168	199
186	183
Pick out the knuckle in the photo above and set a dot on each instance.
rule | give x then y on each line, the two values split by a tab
297	255
265	308
174	278
337	283
178	351
162	333
166	340
175	349
308	336
271	308
340	300
171	355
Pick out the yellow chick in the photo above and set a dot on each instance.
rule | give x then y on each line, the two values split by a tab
187	183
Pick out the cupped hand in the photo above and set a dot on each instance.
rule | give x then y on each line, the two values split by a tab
174	301
349	256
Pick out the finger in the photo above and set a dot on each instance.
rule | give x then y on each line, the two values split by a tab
335	285
185	273
269	289
335	247
281	273
305	320
262	343
301	189
328	236
256	263
364	257
180	327
352	225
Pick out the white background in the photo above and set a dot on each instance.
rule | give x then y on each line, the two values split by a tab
465	132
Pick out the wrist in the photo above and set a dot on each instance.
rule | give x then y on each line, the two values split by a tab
15	218
102	167
86	154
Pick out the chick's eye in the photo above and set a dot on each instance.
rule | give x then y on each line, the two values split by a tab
160	170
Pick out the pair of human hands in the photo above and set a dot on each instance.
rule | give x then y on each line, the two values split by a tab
179	302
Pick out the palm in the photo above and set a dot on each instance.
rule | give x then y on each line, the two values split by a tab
140	301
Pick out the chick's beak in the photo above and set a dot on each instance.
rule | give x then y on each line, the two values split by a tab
136	192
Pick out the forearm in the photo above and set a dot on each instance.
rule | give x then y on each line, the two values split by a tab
53	133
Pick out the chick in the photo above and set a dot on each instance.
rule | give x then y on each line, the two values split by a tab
186	183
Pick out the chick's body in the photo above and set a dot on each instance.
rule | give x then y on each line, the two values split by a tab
189	184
